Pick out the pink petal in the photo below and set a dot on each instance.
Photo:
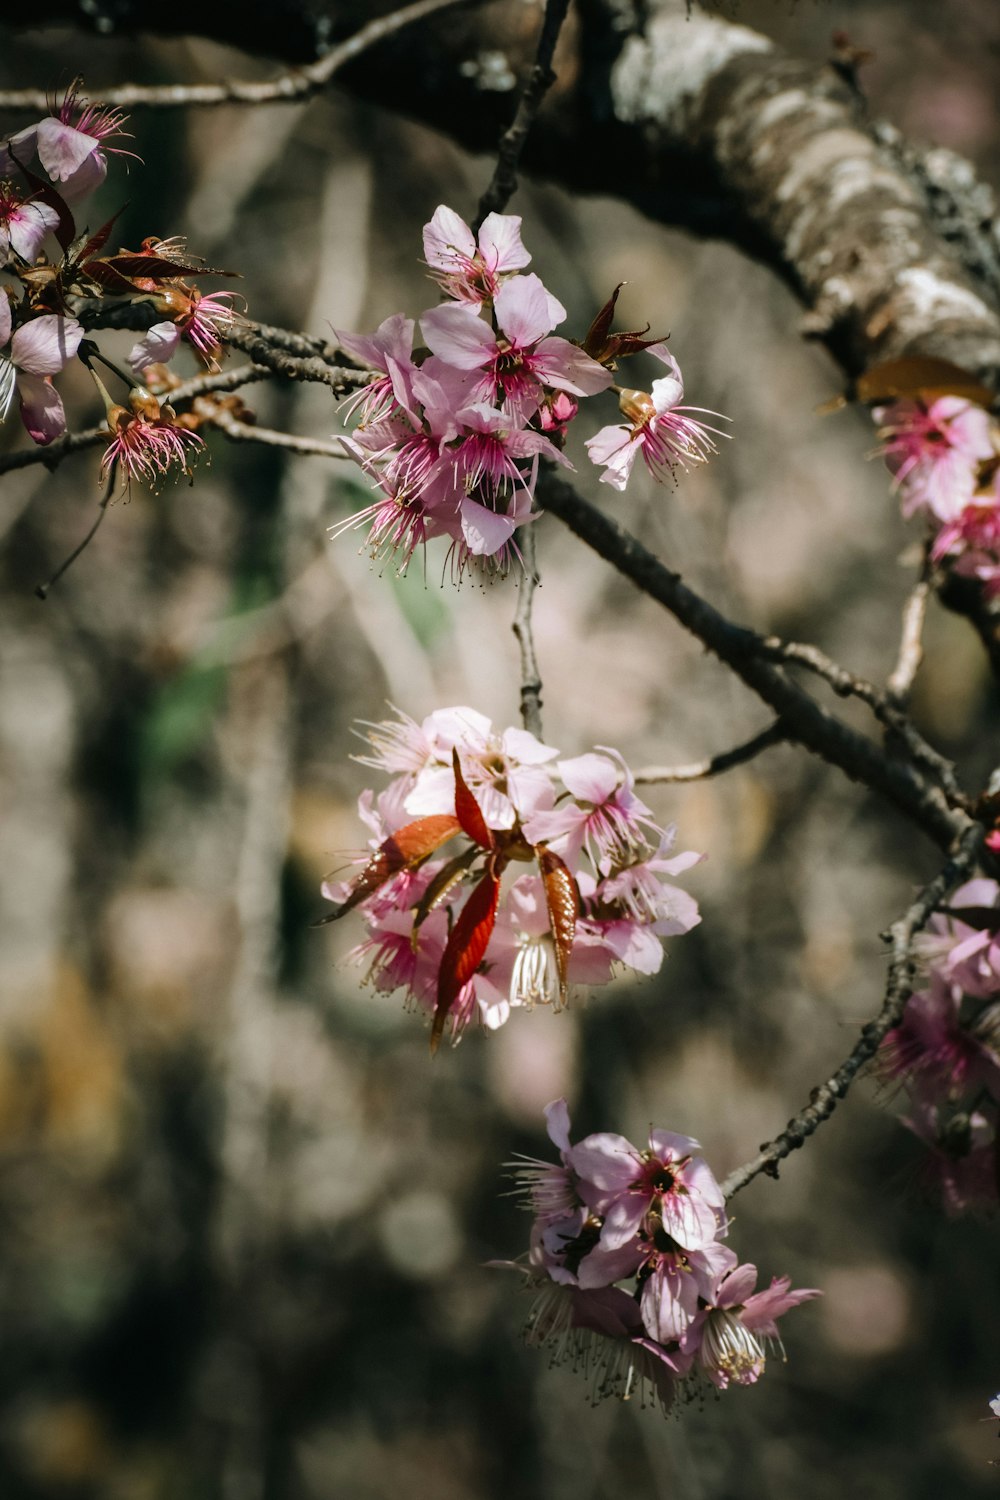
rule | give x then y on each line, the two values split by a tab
667	392
446	237
28	227
41	408
559	363
46	344
593	778
61	149
485	531
525	311
500	242
456	335
557	1121
158	347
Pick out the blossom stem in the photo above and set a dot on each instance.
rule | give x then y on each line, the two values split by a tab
531	682
42	590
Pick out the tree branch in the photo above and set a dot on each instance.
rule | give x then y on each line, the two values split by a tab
743	650
700	770
824	1099
531	681
286	88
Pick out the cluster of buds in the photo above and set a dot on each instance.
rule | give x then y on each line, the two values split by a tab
635	1285
946	1048
944	454
452	432
39	332
451	924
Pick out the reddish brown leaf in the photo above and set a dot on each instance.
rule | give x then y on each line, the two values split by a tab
160	267
465	948
97	241
468	812
444	881
915	378
107	277
563	904
986	918
597	333
404	850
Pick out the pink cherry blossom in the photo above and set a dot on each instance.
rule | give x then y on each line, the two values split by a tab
625	1185
147	447
606	817
24	223
72	143
522	358
961	1159
468	270
727	1337
39	349
659	428
934	450
387	350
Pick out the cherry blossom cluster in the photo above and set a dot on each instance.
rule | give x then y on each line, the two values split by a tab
944	454
635	1285
499	875
451	432
51	268
946	1049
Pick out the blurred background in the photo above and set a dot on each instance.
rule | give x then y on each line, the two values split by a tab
244	1217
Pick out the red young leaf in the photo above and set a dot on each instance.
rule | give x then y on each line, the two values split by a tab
111	280
563	904
468	812
404	850
98	240
443	883
984	917
597	333
466	946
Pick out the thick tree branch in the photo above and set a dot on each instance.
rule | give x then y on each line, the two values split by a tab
698	122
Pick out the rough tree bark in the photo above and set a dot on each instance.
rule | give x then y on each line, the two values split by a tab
697	121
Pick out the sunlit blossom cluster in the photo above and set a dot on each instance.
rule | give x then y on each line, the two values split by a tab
946	1049
51	264
634	1284
452	427
944	455
499	875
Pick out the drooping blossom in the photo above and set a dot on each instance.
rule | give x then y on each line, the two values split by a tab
622	1301
728	1337
960	1164
467	267
147	444
448	833
72	143
39	349
203	319
24	223
659	427
451	435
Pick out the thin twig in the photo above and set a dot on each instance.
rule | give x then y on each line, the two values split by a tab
503	183
246	432
261	347
296	84
42	590
699	770
911	647
531	682
200	385
805	721
899	986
